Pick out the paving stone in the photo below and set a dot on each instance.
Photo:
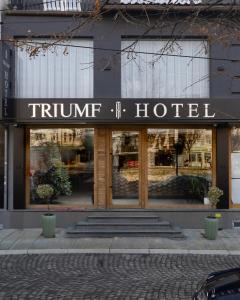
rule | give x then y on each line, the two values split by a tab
107	276
234	252
130	242
210	252
11	239
169	251
98	251
46	251
130	251
5	232
13	252
15	239
90	243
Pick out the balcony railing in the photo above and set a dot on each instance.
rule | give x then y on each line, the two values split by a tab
89	5
53	5
62	5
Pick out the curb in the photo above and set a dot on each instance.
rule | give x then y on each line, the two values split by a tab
117	251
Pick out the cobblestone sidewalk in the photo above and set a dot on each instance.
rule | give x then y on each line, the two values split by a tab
106	276
110	268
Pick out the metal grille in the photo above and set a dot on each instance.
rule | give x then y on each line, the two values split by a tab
62	5
53	5
236	224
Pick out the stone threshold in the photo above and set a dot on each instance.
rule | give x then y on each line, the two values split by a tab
117	251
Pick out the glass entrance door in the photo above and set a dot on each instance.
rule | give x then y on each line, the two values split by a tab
125	168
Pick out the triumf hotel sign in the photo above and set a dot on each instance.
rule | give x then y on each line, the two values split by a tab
125	110
139	110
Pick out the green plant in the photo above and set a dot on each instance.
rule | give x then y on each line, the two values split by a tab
58	176
214	194
195	187
45	191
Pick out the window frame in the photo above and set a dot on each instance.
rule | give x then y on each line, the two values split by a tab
55	207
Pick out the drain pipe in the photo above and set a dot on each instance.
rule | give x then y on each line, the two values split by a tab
3	6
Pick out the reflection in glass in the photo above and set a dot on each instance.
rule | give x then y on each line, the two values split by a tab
179	165
62	158
1	167
236	190
235	165
125	170
235	139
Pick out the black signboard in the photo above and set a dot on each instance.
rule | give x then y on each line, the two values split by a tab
127	110
7	103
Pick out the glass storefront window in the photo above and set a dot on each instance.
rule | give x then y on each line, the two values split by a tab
63	158
235	165
179	165
1	167
125	168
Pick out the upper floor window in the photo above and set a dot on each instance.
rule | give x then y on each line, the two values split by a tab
62	5
159	69
59	72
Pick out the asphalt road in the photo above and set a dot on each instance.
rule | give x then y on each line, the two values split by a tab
106	276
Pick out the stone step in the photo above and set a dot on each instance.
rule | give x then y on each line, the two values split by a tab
123	223
124	212
122	219
128	225
110	232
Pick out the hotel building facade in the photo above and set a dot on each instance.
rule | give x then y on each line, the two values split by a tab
116	117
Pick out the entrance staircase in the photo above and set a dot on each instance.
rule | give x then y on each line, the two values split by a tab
124	223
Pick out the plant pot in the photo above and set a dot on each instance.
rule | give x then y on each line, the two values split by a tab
206	201
211	228
48	225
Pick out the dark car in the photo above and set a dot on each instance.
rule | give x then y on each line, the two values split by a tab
222	285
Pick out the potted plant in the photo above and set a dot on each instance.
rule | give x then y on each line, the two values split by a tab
45	192
211	222
206	200
205	194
